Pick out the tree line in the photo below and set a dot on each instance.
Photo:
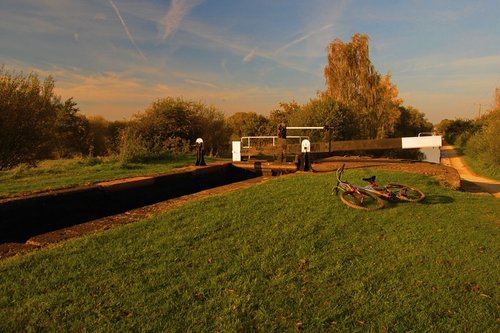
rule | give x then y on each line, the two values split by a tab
358	103
478	138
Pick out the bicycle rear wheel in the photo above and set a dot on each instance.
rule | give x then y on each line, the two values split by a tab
406	192
363	200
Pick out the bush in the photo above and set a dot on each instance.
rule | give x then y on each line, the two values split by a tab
134	149
90	161
26	114
171	126
484	146
176	146
458	131
462	138
34	123
411	122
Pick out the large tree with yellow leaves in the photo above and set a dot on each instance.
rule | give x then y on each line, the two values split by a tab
352	80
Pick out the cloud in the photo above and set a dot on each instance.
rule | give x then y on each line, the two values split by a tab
177	11
444	65
200	83
100	17
111	95
491	61
250	55
126	30
440	105
118	96
217	38
224	66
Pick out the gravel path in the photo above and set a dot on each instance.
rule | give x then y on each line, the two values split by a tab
471	182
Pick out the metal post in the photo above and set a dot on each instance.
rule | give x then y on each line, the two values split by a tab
329	140
305	128
305	164
282	141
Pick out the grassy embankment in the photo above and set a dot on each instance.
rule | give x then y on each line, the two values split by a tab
67	173
478	167
282	256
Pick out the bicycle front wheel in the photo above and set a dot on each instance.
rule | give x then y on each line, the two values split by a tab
406	192
363	200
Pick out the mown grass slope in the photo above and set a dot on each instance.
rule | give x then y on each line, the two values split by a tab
282	256
49	175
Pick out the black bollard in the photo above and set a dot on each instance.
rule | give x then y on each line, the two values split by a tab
200	153
307	162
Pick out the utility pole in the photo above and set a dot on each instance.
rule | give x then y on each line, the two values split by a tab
479	109
497	98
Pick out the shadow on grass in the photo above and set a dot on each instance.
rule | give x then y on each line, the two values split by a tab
437	199
479	187
131	166
428	200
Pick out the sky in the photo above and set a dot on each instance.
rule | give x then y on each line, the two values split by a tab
116	57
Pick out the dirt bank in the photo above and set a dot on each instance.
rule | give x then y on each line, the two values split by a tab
446	175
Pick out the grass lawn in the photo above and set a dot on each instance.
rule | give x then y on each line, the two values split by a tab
67	173
282	256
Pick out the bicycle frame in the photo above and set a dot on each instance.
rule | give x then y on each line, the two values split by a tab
374	188
390	191
346	186
355	196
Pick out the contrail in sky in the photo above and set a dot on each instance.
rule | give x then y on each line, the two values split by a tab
250	55
298	40
200	83
117	11
178	9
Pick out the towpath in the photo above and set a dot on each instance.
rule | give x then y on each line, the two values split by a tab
471	182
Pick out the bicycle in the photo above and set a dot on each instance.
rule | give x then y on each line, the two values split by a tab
355	196
360	196
394	191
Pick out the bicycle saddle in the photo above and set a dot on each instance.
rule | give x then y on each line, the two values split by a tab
370	179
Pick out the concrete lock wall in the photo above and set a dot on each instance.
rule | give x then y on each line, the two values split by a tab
431	154
24	217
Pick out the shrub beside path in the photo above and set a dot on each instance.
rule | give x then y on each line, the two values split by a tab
471	182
